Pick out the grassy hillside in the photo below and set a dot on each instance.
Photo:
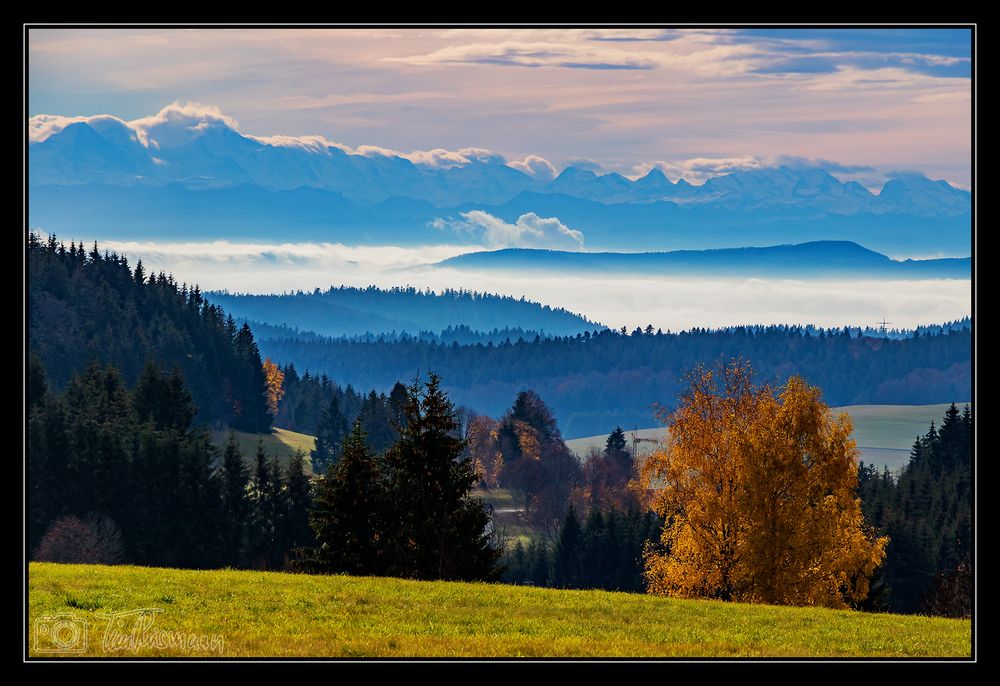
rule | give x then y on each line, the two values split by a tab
274	614
884	433
280	442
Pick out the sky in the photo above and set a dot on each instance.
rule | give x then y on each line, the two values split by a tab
862	103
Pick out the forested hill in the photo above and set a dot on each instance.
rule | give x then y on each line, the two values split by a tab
86	306
813	259
595	382
350	311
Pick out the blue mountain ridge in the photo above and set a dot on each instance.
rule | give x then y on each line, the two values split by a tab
816	258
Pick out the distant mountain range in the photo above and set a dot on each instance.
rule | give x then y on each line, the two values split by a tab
349	312
182	180
813	259
109	152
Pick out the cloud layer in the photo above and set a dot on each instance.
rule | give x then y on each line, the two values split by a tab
663	302
529	231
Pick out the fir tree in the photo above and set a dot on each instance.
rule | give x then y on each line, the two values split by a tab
350	513
330	434
235	506
567	563
297	532
441	530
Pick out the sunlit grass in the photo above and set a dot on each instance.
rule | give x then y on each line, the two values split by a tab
280	443
275	614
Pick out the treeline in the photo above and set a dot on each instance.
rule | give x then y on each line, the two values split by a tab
604	551
460	334
927	513
118	475
132	458
85	305
872	331
596	381
350	311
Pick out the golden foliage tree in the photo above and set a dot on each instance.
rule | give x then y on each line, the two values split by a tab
757	491
274	379
484	450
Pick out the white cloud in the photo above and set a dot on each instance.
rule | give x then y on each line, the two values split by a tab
535	167
180	122
699	169
41	126
851	78
313	144
438	157
529	231
531	54
180	257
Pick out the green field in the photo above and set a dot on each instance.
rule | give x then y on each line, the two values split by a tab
884	433
281	443
256	614
508	514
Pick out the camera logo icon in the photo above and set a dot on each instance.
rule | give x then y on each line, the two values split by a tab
60	634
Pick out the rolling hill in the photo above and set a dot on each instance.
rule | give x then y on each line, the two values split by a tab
348	311
279	443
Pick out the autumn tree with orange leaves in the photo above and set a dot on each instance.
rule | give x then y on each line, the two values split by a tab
757	490
274	380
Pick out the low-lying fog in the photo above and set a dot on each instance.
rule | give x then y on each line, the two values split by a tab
667	303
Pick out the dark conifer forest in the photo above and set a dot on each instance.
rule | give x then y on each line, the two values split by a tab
86	306
926	510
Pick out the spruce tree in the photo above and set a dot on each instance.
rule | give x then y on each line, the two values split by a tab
376	422
235	506
330	434
567	557
441	530
616	442
350	512
268	511
297	532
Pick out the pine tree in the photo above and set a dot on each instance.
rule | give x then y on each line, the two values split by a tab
396	403
540	564
268	511
330	434
235	506
297	532
376	422
616	442
350	512
567	563
442	531
36	382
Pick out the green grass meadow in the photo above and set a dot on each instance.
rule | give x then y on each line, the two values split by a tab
184	613
280	443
